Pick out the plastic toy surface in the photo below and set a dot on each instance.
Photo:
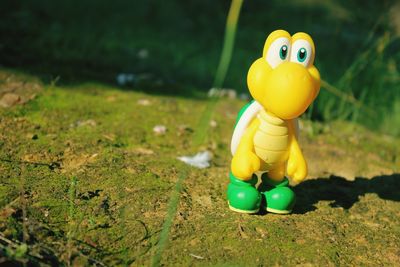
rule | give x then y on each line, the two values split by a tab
283	83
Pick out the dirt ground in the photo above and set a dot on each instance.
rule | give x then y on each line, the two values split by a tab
84	180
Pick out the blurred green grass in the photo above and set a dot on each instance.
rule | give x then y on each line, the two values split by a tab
357	47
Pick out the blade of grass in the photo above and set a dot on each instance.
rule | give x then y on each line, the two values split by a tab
226	56
202	125
172	207
71	218
229	41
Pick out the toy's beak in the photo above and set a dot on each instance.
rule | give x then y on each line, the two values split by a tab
290	89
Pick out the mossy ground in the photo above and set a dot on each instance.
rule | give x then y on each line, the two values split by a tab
84	180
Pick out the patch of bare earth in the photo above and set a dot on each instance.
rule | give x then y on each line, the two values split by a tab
17	89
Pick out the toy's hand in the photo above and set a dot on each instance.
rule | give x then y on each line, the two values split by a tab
244	165
297	166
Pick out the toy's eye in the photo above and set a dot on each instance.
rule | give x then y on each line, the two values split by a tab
302	55
278	52
301	52
283	52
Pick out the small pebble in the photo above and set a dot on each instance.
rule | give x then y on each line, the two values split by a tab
244	96
125	78
80	123
222	92
184	129
230	93
143	53
111	98
141	151
144	102
160	129
9	100
32	136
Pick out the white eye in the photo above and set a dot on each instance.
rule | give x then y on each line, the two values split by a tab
278	52
301	52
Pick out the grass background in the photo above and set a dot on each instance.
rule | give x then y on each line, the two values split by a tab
75	41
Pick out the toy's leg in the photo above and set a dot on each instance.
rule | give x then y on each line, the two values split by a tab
279	197
243	196
277	174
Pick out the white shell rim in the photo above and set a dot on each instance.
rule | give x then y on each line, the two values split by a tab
242	124
248	115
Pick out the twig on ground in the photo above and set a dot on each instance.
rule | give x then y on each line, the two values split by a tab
196	256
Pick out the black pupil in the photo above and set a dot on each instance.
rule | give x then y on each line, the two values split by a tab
284	51
302	53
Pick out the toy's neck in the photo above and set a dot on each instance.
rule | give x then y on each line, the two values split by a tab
271	118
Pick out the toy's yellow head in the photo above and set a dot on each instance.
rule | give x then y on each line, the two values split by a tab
285	81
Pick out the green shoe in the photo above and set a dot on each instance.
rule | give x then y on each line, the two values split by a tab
243	196
279	197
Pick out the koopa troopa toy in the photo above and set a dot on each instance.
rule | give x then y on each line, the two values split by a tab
283	83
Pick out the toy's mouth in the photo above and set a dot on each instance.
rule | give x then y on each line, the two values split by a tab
289	91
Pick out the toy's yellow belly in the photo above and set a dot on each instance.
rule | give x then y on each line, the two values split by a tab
271	140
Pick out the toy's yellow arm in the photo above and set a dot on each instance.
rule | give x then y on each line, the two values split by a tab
296	166
245	162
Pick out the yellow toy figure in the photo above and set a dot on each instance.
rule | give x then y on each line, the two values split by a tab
283	83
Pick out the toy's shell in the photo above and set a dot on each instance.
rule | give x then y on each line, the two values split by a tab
245	117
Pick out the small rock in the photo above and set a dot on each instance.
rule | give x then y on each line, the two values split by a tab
230	93
213	145
6	212
52	136
214	92
111	98
80	123
213	123
144	102
131	170
263	232
125	78
160	129
143	53
221	92
9	100
184	129
121	79
32	136
143	151
244	96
